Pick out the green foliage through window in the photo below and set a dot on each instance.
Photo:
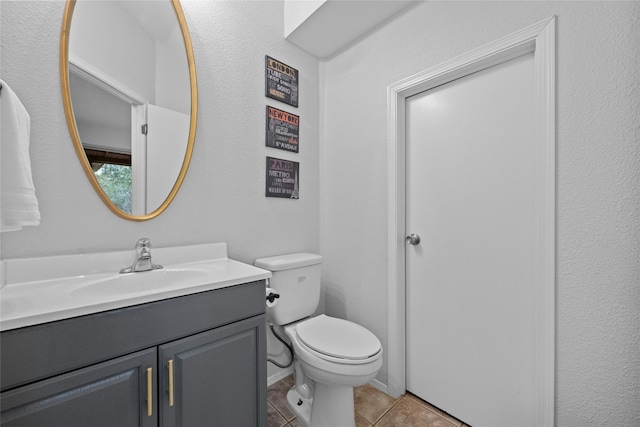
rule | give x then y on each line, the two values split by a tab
115	180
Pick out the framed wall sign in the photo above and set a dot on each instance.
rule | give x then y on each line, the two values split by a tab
282	130
283	178
281	81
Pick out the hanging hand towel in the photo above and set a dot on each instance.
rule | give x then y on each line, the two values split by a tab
18	203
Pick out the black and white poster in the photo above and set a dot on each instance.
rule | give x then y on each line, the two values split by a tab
283	178
282	130
281	81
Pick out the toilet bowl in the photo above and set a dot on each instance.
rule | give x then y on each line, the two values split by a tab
331	360
330	355
336	355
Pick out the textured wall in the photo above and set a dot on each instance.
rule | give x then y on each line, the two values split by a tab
222	197
598	260
598	177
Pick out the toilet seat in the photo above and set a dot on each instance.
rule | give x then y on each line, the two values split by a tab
338	340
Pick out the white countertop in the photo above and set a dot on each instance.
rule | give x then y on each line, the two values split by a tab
40	290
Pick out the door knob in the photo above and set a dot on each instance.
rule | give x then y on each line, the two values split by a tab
413	239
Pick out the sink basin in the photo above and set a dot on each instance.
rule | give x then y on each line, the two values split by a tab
146	281
10	306
47	289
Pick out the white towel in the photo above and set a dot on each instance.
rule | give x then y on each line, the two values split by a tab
18	203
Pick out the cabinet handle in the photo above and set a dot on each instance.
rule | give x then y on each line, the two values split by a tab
170	382
149	391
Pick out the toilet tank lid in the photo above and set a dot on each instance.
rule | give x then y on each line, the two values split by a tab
286	262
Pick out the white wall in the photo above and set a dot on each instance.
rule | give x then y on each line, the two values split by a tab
598	299
598	176
222	198
172	74
127	54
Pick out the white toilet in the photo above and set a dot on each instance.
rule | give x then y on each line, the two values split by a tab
331	355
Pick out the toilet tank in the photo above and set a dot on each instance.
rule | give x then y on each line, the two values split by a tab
296	277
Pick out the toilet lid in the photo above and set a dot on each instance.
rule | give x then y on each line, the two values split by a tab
338	338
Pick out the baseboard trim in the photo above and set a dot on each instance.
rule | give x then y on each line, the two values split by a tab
283	373
379	385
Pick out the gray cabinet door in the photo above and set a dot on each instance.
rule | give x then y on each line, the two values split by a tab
219	377
108	394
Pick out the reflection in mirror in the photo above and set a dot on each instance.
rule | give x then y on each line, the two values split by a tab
129	88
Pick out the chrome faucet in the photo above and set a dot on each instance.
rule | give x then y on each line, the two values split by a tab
142	261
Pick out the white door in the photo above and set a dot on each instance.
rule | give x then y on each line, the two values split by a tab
167	137
470	281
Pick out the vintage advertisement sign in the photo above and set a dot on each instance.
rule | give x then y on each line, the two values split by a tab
281	81
283	178
282	130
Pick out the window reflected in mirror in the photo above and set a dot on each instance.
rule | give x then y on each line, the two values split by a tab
113	172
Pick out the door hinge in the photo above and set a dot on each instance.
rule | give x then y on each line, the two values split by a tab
145	129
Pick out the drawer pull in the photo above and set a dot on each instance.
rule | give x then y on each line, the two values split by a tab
149	391
170	382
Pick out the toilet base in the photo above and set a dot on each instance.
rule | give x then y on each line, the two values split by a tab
300	406
330	406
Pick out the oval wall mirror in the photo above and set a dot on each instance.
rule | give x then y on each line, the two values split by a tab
130	98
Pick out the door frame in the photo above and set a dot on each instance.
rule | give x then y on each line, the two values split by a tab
538	38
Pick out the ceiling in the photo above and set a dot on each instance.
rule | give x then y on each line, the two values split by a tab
336	24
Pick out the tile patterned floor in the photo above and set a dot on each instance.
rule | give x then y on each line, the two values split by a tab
373	408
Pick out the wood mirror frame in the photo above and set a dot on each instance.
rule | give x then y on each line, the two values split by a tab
73	129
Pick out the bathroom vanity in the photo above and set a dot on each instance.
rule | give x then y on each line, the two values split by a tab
189	360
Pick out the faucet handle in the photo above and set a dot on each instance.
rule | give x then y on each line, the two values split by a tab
142	260
143	243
